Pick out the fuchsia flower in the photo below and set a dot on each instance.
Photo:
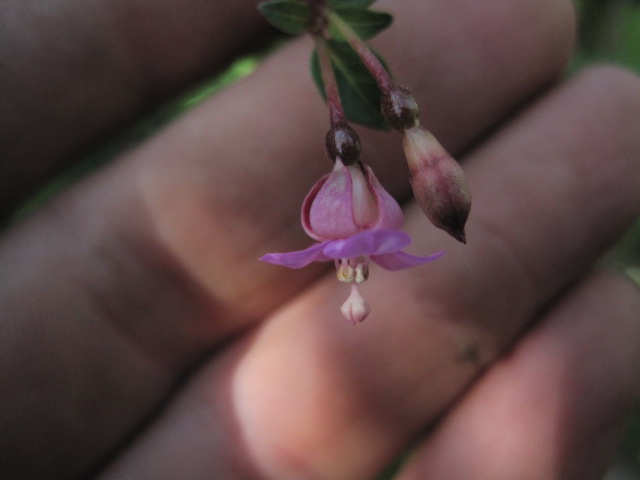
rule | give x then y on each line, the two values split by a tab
354	220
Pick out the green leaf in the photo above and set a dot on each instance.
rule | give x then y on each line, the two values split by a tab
350	3
366	23
359	92
290	16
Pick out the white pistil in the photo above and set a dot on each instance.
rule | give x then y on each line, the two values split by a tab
355	309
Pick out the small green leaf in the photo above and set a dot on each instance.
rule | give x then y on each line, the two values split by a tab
290	16
359	92
350	3
366	23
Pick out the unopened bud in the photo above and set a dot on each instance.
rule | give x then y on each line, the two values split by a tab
343	141
438	182
400	108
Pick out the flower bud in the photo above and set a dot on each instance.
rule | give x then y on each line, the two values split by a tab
343	141
400	108
438	182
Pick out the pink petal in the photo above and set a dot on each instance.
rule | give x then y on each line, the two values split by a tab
299	258
306	207
327	210
401	260
390	215
369	242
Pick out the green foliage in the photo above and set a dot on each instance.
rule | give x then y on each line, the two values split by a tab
358	90
366	23
290	16
627	50
333	4
359	93
295	16
609	31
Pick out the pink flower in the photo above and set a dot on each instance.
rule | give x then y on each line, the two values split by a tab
355	221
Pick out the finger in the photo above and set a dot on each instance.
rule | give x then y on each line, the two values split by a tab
309	397
554	407
72	72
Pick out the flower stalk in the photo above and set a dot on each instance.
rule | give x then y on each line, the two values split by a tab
336	112
373	64
341	141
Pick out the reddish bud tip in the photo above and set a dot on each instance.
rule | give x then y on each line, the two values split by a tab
460	236
438	182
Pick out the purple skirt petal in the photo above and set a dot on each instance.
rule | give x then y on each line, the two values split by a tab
400	260
369	242
299	258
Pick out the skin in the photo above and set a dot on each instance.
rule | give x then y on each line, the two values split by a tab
141	338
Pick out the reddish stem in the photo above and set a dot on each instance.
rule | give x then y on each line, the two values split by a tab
373	64
319	20
336	112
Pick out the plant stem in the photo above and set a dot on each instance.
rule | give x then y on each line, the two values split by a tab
375	67
336	112
317	4
319	20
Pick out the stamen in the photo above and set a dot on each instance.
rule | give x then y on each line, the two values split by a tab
351	270
345	271
362	269
362	272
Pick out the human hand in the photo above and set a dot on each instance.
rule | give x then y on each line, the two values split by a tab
141	338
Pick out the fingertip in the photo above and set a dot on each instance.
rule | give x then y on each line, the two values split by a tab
555	406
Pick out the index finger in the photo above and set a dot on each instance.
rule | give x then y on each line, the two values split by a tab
74	72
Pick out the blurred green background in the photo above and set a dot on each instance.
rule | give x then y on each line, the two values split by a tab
610	32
